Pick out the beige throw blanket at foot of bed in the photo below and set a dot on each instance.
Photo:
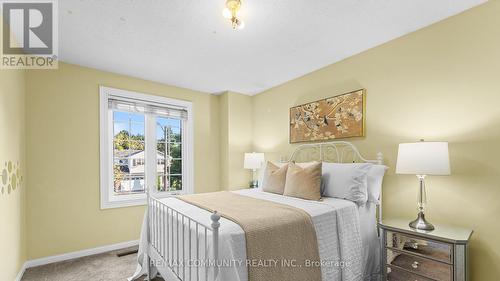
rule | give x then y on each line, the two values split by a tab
280	239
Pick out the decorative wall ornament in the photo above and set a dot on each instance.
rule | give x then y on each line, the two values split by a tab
337	117
11	177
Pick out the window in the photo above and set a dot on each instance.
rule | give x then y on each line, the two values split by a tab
146	144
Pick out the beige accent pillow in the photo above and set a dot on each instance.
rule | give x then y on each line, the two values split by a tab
274	178
304	182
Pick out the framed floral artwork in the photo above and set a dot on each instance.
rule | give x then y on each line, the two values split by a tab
332	118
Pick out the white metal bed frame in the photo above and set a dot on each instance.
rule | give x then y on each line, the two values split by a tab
164	248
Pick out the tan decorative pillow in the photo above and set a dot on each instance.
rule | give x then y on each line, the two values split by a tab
274	178
304	182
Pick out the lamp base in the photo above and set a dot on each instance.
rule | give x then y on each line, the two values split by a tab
253	184
421	223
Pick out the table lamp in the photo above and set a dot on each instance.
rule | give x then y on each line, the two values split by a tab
253	161
423	159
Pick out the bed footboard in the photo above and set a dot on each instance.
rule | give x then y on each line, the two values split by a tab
180	247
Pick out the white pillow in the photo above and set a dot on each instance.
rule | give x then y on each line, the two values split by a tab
346	181
375	179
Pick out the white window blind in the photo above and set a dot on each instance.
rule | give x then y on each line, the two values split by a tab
157	109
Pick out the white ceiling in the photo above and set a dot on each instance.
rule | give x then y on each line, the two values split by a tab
187	43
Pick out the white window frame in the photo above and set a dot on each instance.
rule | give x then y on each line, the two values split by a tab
108	200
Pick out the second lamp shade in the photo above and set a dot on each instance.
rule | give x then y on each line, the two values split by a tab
253	160
423	158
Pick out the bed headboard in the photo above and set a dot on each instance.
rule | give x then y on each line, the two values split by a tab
336	152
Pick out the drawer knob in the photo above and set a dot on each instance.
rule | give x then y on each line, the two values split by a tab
415	264
414	245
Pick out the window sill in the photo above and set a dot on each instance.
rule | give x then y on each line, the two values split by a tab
124	203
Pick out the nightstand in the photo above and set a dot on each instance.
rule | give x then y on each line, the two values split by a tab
410	255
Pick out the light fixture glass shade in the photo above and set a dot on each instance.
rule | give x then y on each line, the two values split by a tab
423	158
253	160
227	13
241	25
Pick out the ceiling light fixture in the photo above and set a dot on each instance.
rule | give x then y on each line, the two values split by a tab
231	13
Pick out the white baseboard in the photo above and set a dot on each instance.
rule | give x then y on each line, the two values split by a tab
74	255
21	272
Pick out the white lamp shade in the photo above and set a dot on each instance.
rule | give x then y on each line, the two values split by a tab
423	158
253	160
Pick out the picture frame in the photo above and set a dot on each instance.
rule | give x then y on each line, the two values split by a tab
336	117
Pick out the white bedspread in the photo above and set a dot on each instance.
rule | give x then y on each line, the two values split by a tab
337	226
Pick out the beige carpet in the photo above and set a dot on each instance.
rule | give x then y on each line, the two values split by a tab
103	267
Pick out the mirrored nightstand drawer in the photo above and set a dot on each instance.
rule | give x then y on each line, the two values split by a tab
395	274
427	248
422	266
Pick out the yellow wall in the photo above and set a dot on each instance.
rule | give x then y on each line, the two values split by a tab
440	83
224	140
63	213
236	138
12	191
